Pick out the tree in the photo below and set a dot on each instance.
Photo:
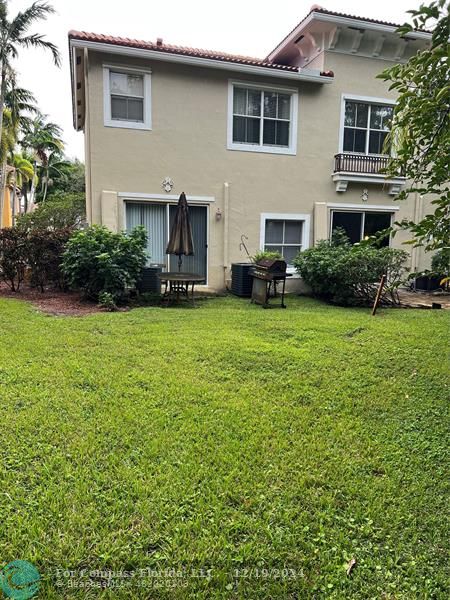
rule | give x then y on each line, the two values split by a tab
14	35
42	138
18	106
64	210
420	133
21	173
52	167
70	178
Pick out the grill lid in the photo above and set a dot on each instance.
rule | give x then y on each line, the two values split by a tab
272	265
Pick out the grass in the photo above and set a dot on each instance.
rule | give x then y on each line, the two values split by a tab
254	452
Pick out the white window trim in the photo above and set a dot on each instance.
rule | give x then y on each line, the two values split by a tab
306	218
356	208
108	121
366	100
292	148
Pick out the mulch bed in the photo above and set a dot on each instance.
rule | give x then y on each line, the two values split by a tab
52	301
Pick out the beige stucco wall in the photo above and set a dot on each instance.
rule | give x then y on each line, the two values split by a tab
188	143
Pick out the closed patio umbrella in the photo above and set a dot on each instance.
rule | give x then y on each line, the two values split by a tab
180	240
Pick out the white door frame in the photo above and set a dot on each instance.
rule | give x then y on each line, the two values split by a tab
168	201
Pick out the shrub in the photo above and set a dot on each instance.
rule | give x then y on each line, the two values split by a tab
13	256
106	301
440	263
60	211
97	260
45	249
349	275
266	254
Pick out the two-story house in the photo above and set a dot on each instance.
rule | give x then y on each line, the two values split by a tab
280	150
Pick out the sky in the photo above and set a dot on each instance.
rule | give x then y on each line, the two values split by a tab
249	27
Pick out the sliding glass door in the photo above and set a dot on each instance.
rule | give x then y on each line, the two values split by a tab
157	220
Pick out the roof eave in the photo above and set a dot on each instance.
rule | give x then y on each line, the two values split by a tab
199	61
344	21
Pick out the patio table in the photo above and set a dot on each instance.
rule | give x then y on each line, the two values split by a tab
179	284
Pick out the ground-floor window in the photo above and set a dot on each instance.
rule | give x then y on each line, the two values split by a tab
284	233
360	225
157	219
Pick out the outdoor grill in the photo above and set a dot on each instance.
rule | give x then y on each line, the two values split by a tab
267	275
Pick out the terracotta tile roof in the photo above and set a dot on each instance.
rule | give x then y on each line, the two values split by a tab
183	50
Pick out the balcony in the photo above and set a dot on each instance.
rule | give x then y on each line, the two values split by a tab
364	168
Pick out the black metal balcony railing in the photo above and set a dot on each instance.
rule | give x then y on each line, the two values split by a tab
360	163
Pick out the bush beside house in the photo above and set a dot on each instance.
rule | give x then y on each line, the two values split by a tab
103	265
13	256
349	274
98	262
34	254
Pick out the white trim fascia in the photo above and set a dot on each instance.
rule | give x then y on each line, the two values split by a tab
293	129
361	207
127	68
419	35
366	178
164	197
293	35
201	62
147	100
305	217
74	89
369	99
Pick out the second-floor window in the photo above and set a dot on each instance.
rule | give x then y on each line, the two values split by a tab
366	126
127	96
127	101
262	120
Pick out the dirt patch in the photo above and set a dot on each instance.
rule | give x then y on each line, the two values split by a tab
52	301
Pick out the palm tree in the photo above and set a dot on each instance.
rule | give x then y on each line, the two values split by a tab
54	166
21	174
14	34
21	103
42	138
9	137
18	104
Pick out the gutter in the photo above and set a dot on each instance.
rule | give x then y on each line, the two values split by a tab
201	62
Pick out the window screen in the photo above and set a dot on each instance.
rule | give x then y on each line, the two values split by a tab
127	97
284	236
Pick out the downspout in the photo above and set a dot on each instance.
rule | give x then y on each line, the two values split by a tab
226	207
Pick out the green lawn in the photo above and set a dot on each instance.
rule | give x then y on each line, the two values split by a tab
268	446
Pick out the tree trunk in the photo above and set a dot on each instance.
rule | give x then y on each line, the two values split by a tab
2	104
33	186
25	196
